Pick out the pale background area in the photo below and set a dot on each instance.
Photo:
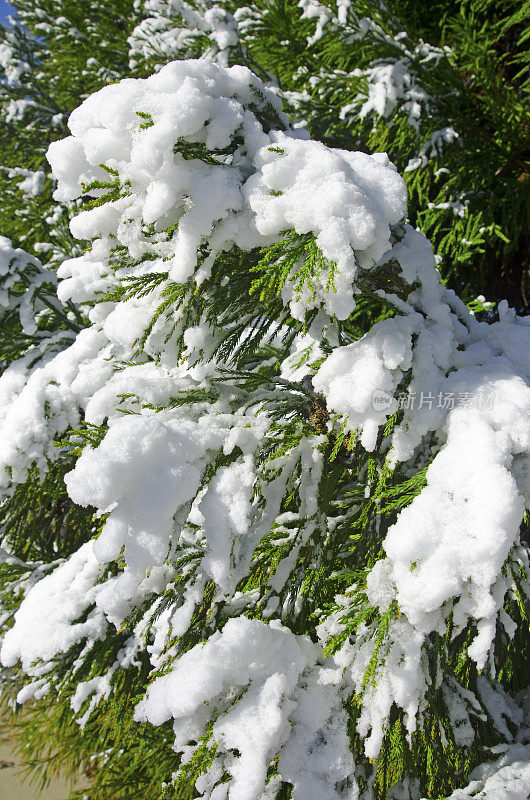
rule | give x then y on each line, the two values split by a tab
14	785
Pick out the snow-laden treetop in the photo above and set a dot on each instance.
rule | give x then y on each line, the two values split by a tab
209	148
221	237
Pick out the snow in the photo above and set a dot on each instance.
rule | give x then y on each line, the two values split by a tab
432	147
226	511
390	84
32	183
348	200
47	623
400	680
160	187
279	696
201	160
446	551
16	109
60	386
507	778
17	266
143	472
271	183
169	31
13	66
469	489
314	10
352	374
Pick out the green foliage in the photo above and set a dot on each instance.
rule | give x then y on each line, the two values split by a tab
470	197
70	52
40	522
296	258
118	758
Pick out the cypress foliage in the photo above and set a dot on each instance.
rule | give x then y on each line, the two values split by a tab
264	468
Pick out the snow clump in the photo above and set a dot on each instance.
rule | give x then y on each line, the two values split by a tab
190	168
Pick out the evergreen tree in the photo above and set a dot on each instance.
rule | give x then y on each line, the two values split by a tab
265	475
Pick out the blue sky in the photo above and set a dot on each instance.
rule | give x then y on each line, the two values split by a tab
5	10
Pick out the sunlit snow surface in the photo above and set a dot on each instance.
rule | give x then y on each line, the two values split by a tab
266	689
